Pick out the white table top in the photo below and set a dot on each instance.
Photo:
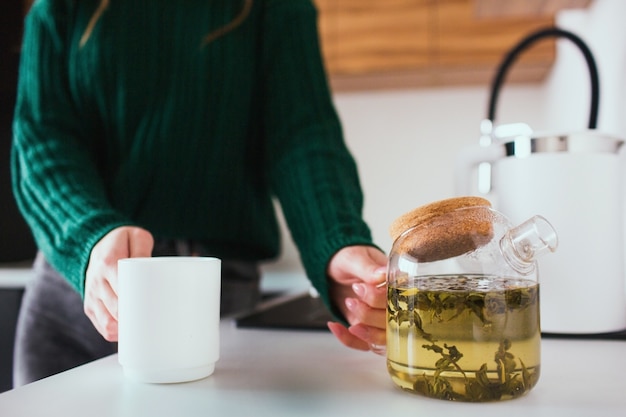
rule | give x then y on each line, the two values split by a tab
308	373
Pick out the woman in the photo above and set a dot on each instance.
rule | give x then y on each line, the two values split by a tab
153	127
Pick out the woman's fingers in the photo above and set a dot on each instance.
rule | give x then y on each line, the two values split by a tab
365	314
347	338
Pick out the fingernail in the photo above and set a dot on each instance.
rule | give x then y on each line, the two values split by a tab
351	303
359	289
380	271
362	332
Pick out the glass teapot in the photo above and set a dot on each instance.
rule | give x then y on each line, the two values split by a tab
463	301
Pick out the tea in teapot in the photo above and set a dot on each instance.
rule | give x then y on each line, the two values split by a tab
463	301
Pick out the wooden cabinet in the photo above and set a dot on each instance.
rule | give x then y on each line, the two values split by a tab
413	43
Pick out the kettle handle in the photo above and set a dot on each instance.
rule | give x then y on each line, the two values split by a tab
526	42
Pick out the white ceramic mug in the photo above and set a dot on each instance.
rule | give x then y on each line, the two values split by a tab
169	312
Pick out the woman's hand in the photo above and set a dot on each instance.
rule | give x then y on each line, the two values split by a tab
100	303
355	274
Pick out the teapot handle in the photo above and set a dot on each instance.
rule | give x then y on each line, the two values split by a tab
526	42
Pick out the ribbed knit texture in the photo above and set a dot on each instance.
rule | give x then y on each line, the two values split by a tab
144	126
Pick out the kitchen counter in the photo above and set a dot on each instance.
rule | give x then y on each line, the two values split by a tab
15	276
309	373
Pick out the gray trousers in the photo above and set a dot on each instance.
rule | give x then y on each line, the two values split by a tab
53	333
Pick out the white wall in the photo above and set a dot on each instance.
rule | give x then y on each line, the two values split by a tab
406	142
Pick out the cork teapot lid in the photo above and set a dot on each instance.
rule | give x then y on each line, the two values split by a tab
448	230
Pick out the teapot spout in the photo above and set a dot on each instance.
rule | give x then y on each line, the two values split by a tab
522	245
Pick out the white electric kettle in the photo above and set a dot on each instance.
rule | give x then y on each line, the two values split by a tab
573	179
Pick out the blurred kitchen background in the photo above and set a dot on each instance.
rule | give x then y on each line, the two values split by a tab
405	125
411	81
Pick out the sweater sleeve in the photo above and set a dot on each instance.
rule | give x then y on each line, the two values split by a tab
55	180
311	170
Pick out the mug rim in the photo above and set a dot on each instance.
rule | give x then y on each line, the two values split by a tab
155	259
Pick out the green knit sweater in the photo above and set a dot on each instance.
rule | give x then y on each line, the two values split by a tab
145	126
